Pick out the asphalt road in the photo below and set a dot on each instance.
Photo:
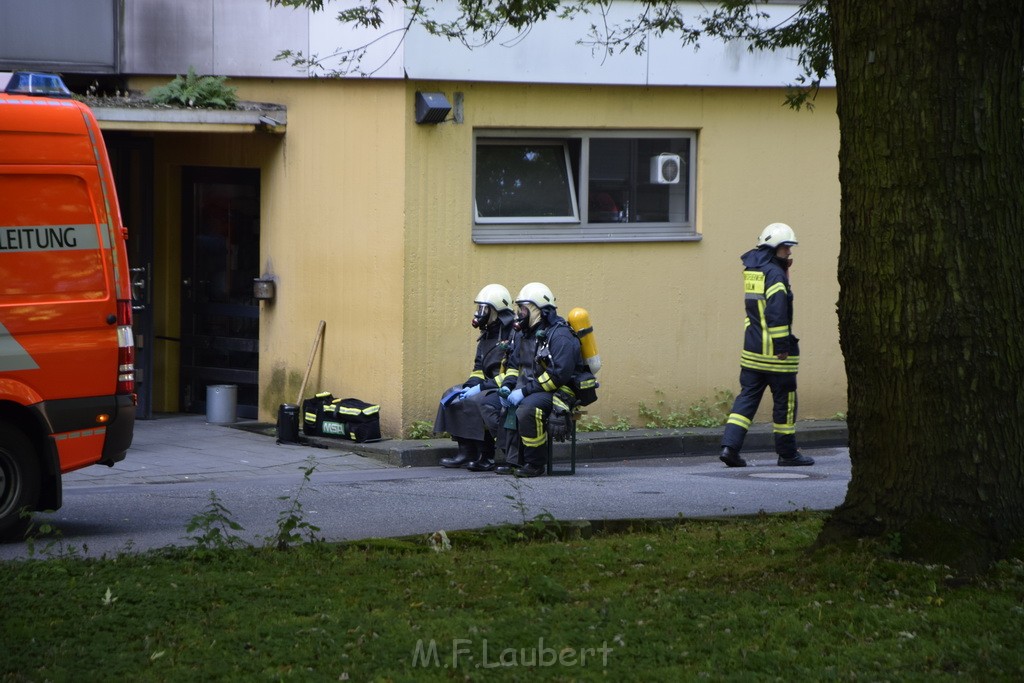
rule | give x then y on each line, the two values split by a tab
350	497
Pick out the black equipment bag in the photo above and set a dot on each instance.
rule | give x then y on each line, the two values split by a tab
350	418
355	410
313	413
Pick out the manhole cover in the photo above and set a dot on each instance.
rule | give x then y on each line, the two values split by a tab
779	475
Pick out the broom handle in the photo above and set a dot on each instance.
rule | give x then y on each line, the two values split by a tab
309	365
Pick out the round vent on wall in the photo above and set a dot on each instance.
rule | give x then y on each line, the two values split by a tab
665	169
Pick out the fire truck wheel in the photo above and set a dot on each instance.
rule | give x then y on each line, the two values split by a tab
19	482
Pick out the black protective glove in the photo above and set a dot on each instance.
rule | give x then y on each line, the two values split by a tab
558	425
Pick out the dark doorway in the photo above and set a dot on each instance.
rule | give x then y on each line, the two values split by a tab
219	260
131	159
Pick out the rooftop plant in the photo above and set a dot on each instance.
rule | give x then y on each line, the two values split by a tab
196	91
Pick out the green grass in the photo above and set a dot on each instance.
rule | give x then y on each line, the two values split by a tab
738	599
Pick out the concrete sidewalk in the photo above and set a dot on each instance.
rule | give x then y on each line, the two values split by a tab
179	448
176	448
185	447
178	462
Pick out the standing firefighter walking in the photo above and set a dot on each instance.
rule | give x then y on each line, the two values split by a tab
771	354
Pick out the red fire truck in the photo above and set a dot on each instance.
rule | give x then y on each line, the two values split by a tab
67	374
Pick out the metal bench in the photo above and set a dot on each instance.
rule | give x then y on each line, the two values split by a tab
551	471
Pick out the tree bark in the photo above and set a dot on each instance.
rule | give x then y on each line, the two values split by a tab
931	273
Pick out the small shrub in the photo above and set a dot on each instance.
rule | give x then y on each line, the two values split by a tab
517	498
704	413
291	522
196	91
592	423
541	526
544	526
622	424
421	429
213	528
45	541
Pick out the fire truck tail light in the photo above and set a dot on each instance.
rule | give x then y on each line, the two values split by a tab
125	349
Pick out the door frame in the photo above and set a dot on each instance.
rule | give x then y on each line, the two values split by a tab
192	396
131	160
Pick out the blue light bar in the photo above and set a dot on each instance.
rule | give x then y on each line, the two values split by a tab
35	83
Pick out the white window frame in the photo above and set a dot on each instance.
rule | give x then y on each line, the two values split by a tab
562	230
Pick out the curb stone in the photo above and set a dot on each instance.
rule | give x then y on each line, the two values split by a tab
591	447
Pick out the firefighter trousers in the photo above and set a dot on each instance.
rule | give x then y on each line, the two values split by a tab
752	386
525	444
493	415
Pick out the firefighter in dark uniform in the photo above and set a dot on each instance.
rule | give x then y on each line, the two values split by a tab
771	353
545	361
459	413
492	410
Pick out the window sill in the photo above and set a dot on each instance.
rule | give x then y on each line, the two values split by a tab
594	232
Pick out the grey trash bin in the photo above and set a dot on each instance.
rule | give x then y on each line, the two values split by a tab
222	403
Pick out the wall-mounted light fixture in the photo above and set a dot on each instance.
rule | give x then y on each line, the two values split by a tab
263	288
431	107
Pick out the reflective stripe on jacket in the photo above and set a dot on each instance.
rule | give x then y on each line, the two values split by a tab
768	329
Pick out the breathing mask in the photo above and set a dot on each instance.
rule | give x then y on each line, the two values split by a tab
527	316
484	314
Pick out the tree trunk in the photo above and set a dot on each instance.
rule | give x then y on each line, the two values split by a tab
931	273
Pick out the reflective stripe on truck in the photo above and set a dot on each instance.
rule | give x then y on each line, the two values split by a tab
13	355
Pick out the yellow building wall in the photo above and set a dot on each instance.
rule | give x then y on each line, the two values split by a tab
331	216
367	225
332	232
669	315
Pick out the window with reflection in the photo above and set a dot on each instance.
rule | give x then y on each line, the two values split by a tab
524	181
564	186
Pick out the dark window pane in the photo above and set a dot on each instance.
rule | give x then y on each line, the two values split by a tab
611	176
624	186
523	181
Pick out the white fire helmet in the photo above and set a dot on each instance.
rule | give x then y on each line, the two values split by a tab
537	294
495	296
777	235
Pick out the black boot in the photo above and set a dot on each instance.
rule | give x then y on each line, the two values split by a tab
533	463
513	460
530	469
796	459
467	454
731	457
485	463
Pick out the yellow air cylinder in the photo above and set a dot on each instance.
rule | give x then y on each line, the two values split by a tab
579	321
